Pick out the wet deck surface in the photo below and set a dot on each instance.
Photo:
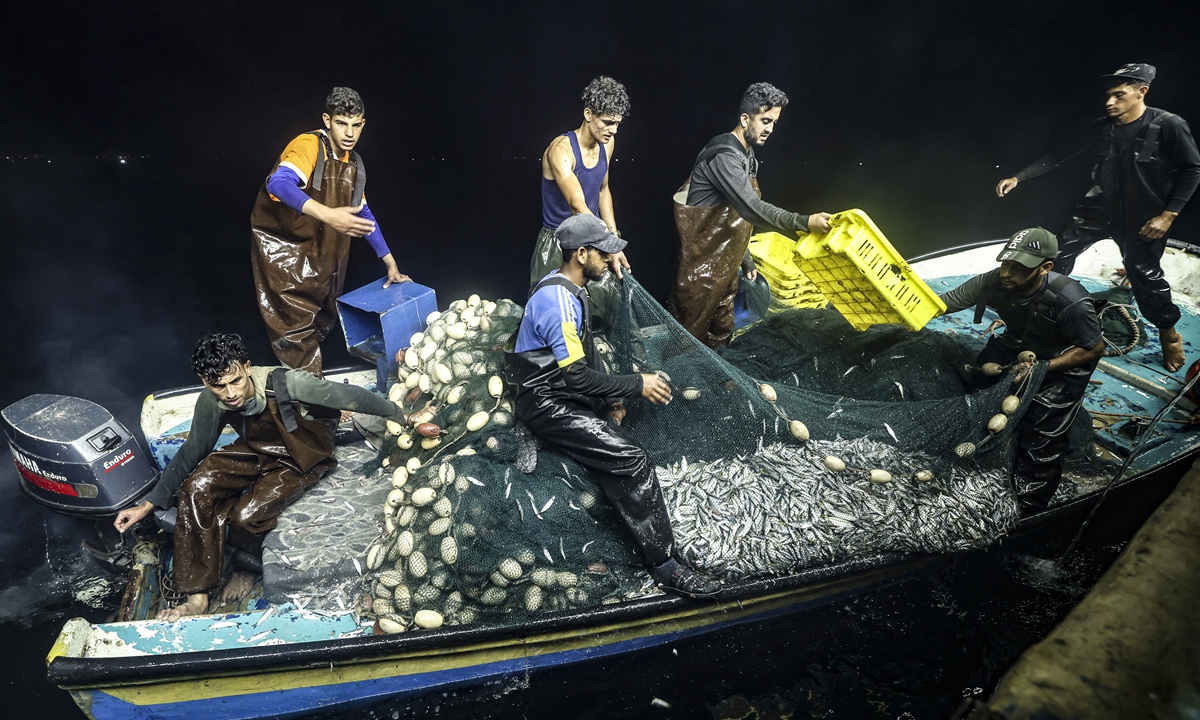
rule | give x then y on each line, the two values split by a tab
1121	404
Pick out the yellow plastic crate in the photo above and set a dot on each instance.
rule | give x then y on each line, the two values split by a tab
773	255
864	277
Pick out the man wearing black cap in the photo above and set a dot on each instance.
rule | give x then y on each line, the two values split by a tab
559	398
1146	169
1054	317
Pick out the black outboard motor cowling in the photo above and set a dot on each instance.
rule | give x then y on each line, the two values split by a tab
74	457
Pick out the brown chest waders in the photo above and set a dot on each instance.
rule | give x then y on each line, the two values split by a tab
299	263
712	243
244	487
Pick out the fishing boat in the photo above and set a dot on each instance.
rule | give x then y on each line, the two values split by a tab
281	659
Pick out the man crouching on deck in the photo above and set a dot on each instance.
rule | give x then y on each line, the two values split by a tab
1054	317
285	421
559	397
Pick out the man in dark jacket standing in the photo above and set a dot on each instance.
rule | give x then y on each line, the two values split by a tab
1052	316
1145	169
715	214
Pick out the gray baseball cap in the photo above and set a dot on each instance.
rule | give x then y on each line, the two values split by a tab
587	231
1030	247
1132	73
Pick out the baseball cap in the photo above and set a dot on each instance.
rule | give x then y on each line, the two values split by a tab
1135	72
587	231
1030	247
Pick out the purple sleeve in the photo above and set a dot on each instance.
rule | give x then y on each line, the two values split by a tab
285	184
375	237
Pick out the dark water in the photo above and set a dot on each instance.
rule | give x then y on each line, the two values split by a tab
911	111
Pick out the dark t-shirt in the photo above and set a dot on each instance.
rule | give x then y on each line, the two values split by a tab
1175	178
1073	320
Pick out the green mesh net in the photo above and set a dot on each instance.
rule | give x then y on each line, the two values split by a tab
805	442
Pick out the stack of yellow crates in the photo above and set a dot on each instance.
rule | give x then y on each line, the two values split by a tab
773	254
859	271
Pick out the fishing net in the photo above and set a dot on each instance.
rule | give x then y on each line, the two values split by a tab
805	442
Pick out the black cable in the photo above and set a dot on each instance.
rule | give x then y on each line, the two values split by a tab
1128	460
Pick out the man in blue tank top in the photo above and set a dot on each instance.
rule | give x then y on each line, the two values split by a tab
575	182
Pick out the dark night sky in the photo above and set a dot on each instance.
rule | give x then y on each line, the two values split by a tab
909	110
904	109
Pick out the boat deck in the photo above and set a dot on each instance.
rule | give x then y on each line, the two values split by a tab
215	663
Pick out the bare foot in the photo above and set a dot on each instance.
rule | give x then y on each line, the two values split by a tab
196	605
1172	349
239	586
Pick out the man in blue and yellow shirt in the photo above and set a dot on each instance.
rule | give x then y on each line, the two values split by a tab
560	398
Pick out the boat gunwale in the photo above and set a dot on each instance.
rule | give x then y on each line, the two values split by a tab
76	672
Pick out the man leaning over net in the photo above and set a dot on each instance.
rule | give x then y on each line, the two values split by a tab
559	398
1052	316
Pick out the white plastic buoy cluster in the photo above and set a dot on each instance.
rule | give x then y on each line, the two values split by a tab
416	574
413	564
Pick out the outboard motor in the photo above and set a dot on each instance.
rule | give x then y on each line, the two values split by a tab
76	459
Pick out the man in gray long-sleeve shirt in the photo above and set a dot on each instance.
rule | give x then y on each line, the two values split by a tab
283	448
715	213
1145	169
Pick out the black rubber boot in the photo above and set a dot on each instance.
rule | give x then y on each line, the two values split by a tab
677	577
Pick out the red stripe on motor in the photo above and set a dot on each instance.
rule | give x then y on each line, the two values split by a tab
53	486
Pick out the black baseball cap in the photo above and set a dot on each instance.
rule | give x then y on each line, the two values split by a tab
1030	247
587	231
1133	72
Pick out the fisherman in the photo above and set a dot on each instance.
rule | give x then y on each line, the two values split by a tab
1054	317
285	421
309	208
560	398
575	182
715	213
1146	167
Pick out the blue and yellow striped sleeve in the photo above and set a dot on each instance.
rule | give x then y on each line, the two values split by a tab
552	320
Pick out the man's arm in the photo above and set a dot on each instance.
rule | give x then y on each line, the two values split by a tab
1080	142
1180	148
379	245
729	175
966	295
201	439
583	380
617	260
562	168
309	389
285	184
1077	356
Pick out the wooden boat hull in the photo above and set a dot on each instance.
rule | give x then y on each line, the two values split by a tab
289	680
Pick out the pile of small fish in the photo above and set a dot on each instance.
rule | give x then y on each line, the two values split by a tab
782	508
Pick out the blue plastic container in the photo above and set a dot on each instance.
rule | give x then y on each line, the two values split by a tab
378	321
